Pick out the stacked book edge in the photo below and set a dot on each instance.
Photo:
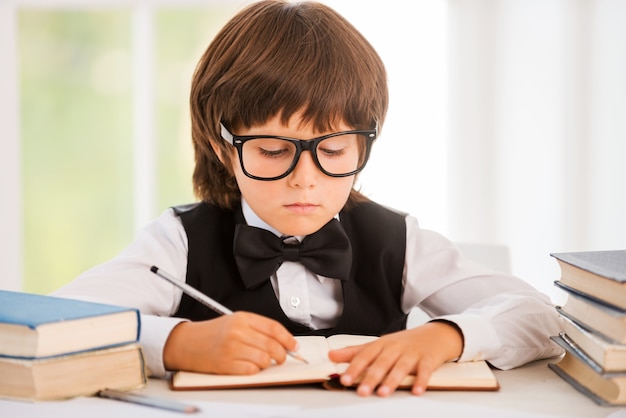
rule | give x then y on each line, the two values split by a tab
594	318
56	348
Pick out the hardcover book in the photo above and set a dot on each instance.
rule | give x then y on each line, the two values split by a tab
608	355
81	374
599	274
38	326
603	388
606	320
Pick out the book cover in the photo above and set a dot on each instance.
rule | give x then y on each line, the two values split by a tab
33	326
603	319
594	297
570	345
603	388
451	376
609	264
81	374
563	374
599	274
608	355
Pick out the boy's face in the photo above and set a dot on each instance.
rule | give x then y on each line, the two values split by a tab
306	199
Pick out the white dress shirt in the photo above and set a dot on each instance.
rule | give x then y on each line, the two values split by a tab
503	319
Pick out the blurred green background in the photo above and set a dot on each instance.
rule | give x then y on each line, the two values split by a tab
77	124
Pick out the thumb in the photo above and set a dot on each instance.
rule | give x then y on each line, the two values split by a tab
343	355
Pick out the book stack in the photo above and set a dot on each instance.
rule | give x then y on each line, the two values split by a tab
55	348
594	316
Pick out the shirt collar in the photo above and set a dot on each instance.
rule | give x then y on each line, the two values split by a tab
253	219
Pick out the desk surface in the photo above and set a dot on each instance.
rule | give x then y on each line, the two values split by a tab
531	390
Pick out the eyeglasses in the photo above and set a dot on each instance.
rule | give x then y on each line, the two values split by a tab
268	157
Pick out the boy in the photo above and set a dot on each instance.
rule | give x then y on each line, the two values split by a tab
286	103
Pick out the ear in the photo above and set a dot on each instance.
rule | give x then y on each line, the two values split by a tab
218	151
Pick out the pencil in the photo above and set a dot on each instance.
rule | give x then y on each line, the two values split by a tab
206	300
147	401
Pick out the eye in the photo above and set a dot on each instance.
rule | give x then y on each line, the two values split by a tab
330	152
337	146
270	147
272	153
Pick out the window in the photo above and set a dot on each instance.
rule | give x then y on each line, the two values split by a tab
99	156
100	141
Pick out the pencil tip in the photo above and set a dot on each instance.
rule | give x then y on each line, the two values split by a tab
297	356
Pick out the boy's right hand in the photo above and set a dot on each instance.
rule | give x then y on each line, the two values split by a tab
241	343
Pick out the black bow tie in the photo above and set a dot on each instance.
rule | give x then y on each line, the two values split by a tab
259	253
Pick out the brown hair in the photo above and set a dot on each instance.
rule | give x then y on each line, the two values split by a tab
278	58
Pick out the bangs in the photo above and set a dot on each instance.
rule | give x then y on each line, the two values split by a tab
301	61
278	59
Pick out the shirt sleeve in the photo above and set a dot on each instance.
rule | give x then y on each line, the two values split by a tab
126	280
503	319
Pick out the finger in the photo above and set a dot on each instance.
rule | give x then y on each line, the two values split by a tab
402	368
262	348
239	356
239	340
268	345
241	367
359	363
376	373
274	330
344	355
425	369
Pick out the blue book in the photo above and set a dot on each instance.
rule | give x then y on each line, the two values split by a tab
39	326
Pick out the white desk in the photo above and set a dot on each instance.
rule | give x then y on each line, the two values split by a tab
532	390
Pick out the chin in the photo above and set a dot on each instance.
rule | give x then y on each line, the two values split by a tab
302	229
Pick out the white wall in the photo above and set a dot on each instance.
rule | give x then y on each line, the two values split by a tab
538	133
506	124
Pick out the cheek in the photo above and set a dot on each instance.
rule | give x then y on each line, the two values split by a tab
256	193
339	191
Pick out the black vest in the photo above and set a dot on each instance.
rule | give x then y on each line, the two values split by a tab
372	295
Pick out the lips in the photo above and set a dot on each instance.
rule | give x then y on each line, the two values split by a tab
303	208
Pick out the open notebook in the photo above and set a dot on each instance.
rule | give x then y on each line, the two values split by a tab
451	376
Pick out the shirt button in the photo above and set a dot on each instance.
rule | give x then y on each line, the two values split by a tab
294	301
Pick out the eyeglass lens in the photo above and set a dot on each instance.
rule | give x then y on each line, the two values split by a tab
272	157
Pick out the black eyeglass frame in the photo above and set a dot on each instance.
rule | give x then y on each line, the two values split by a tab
301	145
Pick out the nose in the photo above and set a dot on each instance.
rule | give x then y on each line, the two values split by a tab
306	172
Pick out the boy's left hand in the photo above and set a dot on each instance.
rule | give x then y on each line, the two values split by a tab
382	364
